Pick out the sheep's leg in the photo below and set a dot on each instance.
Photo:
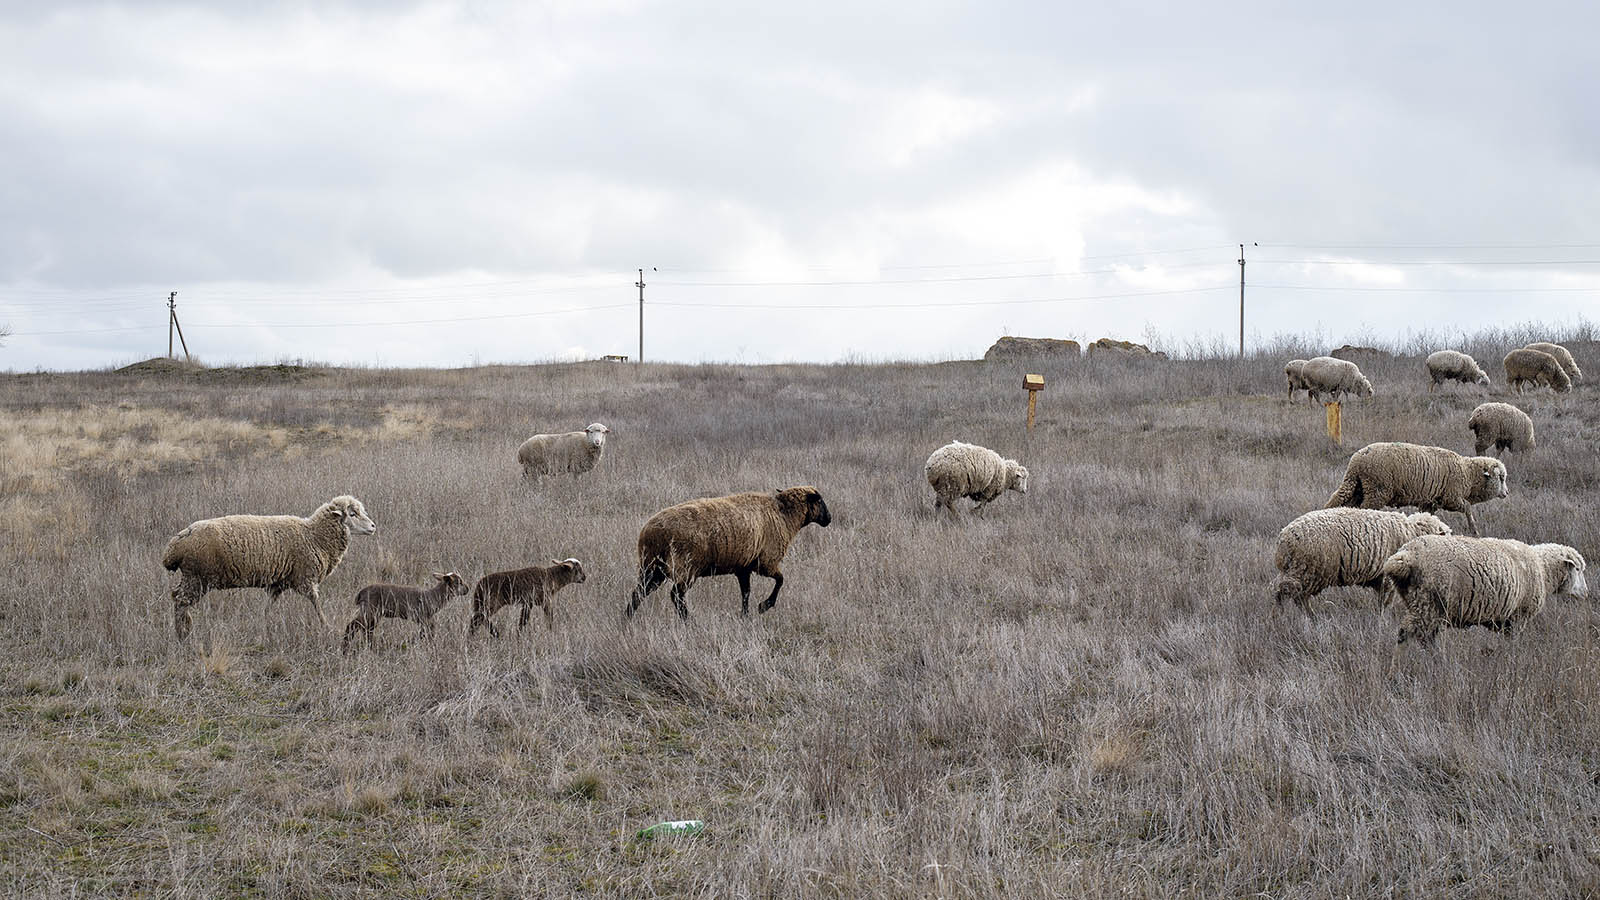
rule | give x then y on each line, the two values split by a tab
678	590
549	615
649	579
310	593
1472	524
364	621
744	592
772	598
527	611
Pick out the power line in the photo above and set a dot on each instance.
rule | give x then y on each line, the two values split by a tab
546	312
886	281
857	306
1469	263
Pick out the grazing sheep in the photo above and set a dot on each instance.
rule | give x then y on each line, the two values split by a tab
959	470
733	535
1294	371
1327	376
1461	582
1453	365
1330	547
533	586
278	553
1429	478
1501	426
1563	356
399	601
574	452
1535	367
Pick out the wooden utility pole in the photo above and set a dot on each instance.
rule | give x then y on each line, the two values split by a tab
172	323
1033	384
640	285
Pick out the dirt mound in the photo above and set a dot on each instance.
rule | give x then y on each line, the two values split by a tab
160	365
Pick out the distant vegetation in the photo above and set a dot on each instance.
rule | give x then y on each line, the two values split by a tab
1087	690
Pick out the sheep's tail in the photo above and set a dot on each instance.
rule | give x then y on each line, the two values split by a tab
1398	572
1348	494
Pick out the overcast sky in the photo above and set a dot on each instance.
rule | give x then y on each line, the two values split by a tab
458	182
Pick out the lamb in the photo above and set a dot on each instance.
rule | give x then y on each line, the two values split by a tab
1294	371
1461	582
533	586
1327	376
278	553
398	601
574	452
1501	426
1535	367
1429	478
1329	547
733	535
1453	365
959	470
1563	356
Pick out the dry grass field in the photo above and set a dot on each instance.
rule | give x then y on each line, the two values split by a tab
1087	691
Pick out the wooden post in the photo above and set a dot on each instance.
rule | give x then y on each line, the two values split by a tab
1033	384
1333	421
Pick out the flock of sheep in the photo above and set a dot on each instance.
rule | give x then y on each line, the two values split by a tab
1440	577
1443	579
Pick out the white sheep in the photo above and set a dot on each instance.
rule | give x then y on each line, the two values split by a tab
1463	581
1453	365
1333	378
1563	356
278	553
1502	427
574	452
1429	478
967	470
1330	547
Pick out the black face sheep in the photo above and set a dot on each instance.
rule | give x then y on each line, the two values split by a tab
1429	478
1326	376
1501	426
574	452
1330	547
1461	582
1563	356
278	553
1294	372
733	535
959	470
1535	367
1453	365
533	586
399	601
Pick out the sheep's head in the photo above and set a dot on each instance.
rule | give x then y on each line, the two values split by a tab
1491	479
1362	387
454	586
597	433
1558	378
579	576
1483	379
1016	477
350	511
806	500
1568	565
1426	523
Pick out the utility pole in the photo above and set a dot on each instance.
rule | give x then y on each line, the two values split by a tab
1241	301
172	322
640	285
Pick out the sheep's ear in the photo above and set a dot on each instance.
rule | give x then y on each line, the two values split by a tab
555	562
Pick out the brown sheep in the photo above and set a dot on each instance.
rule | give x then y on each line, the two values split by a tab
533	586
1535	367
401	601
733	535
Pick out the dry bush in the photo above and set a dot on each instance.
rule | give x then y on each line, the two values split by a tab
1085	691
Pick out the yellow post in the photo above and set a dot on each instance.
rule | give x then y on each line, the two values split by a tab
1034	384
1333	421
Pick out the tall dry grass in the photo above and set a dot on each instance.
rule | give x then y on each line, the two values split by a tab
1086	691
